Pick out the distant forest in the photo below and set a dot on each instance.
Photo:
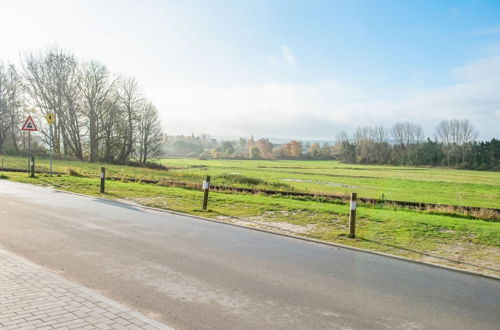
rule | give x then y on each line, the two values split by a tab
404	143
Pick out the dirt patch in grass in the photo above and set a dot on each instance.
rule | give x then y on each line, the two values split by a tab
261	223
466	256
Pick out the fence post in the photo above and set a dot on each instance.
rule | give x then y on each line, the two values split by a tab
32	167
206	188
103	179
352	215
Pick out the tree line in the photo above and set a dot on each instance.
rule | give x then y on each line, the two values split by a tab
100	115
454	145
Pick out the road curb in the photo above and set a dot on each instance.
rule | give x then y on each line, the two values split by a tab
312	240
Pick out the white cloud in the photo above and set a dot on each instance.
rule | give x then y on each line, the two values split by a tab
322	109
287	55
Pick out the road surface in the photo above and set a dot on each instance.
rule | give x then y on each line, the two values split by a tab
196	274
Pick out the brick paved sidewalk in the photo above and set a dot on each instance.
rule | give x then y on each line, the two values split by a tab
33	298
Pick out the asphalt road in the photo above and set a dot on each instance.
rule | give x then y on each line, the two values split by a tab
197	274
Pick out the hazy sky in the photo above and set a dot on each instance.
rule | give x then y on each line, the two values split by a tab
304	69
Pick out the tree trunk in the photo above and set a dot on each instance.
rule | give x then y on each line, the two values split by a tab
93	141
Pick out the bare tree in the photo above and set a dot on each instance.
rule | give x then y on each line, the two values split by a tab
150	133
96	85
456	135
110	141
344	149
4	104
130	100
51	80
406	134
381	148
456	131
379	134
10	106
97	115
363	139
342	137
371	144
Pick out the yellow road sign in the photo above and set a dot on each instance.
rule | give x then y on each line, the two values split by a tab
51	118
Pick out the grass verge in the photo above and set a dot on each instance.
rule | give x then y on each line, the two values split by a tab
413	184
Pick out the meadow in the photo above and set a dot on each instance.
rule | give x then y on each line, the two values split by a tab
430	185
416	184
449	239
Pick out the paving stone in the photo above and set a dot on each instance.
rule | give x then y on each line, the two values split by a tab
34	298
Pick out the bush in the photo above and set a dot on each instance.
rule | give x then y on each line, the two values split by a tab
238	179
150	165
73	172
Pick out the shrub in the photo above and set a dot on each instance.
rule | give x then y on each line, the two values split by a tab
73	172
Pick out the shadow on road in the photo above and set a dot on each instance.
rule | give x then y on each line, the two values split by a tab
118	204
458	262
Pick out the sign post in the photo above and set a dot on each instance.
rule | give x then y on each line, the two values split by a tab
30	126
32	168
51	119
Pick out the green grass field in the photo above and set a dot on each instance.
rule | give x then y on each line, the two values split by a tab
431	185
446	239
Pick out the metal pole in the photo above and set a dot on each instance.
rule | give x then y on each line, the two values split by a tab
29	151
51	148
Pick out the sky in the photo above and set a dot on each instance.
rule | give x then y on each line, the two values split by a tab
285	69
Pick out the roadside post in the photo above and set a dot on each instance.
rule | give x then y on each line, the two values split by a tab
103	179
32	166
352	215
206	188
30	126
51	119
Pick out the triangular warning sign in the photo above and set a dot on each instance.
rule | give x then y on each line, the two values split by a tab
29	125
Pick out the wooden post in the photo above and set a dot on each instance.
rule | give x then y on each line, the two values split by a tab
206	188
103	179
352	215
32	167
